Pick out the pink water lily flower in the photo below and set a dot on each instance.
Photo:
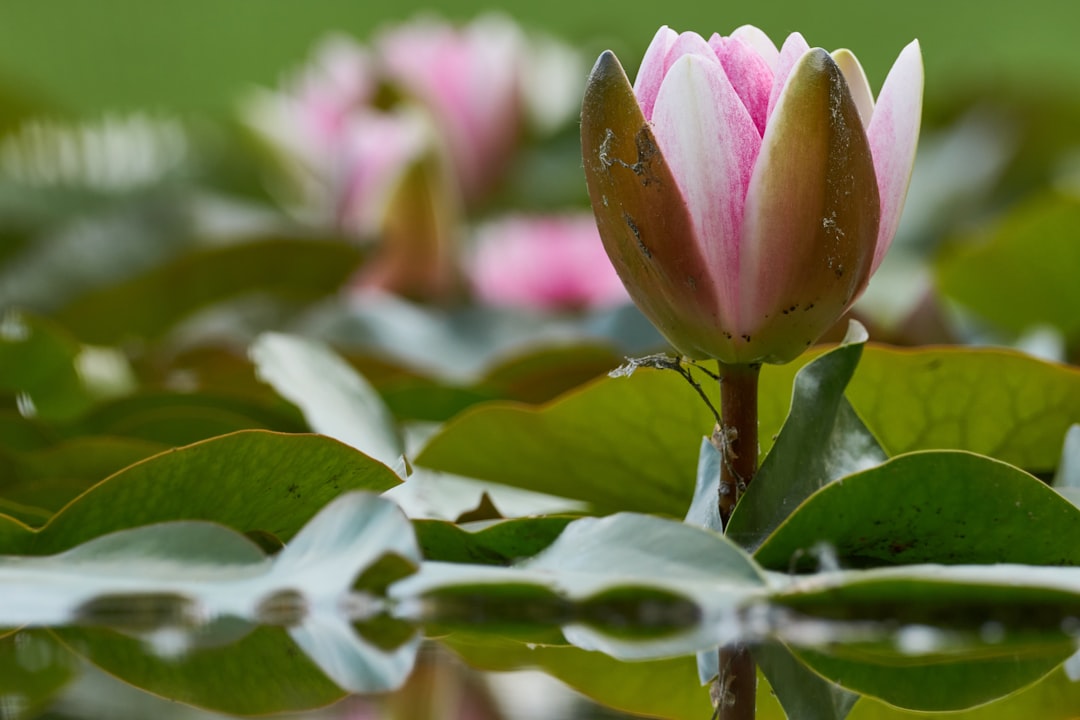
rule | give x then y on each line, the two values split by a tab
469	77
546	262
746	194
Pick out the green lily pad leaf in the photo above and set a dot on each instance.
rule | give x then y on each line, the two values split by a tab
161	576
626	550
617	443
428	400
24	514
22	434
804	694
933	683
183	418
643	546
1068	472
543	374
704	510
610	569
1055	697
50	478
934	506
335	399
498	543
46	369
82	458
149	305
251	480
940	658
263	672
821	441
33	669
631	687
1033	253
993	402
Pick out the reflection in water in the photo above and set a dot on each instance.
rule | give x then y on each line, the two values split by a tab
194	612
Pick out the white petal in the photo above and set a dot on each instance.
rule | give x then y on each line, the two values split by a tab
710	143
893	135
857	83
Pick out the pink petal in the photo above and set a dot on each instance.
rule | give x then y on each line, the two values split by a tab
893	135
710	143
794	48
811	215
653	68
643	218
757	39
687	43
749	74
856	82
544	262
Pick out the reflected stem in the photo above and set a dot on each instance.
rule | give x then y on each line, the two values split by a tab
736	438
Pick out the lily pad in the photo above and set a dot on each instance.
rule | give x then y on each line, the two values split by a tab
150	304
251	480
617	443
1033	253
994	402
933	506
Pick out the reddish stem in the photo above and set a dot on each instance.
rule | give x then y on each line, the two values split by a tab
737	440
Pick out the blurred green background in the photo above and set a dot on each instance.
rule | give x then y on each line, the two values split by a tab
80	55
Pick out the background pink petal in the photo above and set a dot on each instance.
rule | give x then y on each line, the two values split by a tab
555	262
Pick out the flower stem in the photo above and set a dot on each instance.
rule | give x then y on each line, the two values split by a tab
737	440
736	436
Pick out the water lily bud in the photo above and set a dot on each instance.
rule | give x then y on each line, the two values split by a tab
746	194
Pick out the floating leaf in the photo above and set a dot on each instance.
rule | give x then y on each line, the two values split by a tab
150	304
40	364
498	543
632	687
174	419
1055	697
335	399
804	694
993	402
942	657
251	480
934	506
1068	472
1033	253
263	672
34	668
617	443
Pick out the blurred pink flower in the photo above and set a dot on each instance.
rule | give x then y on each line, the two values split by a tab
548	263
343	156
470	79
